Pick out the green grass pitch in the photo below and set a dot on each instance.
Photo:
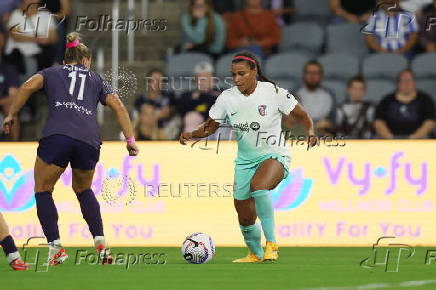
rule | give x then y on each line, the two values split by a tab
297	268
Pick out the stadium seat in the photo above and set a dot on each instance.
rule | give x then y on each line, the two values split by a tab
295	37
428	87
339	66
183	64
383	66
346	38
286	66
424	66
223	66
312	10
291	86
376	90
338	88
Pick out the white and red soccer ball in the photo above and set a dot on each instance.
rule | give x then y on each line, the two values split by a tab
198	248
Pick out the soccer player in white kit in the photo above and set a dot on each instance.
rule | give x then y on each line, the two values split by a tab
255	110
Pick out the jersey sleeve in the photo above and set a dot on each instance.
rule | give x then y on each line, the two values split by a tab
218	110
44	74
105	90
286	101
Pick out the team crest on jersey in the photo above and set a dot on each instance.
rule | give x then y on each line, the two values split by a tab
262	110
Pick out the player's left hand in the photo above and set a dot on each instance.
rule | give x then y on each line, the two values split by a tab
312	140
133	149
7	124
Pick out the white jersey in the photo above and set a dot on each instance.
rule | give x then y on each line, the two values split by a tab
256	120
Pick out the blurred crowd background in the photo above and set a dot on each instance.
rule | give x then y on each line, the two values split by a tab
362	69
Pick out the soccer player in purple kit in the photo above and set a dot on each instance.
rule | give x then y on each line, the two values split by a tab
71	135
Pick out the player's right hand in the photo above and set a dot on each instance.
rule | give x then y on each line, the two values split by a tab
7	124
185	136
133	149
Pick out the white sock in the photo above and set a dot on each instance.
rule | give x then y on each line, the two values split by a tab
99	240
53	248
13	256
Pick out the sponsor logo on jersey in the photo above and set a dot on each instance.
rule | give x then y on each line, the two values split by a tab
254	126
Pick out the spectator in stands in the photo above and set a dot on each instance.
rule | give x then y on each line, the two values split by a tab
29	29
351	10
254	29
319	102
427	34
9	84
355	117
203	96
227	6
161	101
145	125
61	9
283	9
391	30
407	113
203	29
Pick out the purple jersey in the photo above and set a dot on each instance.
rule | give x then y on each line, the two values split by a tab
73	92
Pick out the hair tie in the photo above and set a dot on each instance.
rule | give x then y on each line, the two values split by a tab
244	58
74	43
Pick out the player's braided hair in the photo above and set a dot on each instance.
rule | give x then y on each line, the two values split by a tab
262	77
76	53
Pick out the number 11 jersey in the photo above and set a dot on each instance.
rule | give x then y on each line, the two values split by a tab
73	93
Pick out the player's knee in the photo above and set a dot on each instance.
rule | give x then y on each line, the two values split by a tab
43	188
4	232
247	221
254	186
77	188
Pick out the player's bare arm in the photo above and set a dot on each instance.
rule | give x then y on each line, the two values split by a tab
114	102
32	85
303	117
206	129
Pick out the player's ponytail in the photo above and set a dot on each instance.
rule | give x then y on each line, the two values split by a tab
253	62
75	50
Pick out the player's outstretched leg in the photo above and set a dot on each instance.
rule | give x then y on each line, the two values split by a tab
250	230
91	211
46	176
268	175
8	245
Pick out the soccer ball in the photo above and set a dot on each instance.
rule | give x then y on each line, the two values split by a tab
198	248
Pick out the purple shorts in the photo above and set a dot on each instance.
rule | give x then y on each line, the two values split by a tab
61	150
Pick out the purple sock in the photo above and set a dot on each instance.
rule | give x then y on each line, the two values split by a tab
47	214
91	212
8	245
